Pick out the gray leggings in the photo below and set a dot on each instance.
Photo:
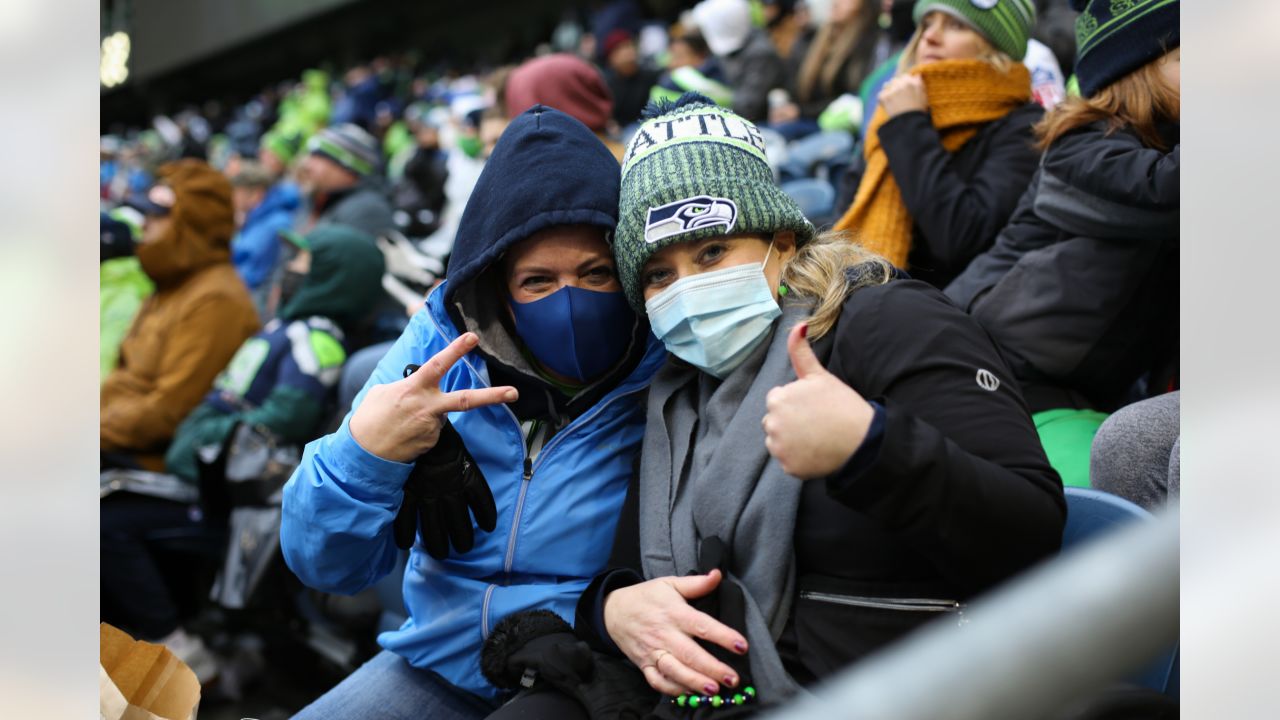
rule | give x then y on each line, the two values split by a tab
1135	453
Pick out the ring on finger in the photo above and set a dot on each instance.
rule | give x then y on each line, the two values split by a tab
658	658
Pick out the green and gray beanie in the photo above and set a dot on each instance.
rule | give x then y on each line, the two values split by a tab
349	146
695	170
1005	24
1116	37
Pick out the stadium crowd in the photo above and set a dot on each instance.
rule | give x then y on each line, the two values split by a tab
769	332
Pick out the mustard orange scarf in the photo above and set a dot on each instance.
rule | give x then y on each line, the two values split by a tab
963	96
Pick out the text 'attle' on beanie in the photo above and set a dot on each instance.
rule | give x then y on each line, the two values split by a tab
695	170
1116	37
348	145
1006	24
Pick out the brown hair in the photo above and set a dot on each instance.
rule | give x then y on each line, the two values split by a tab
833	46
1137	101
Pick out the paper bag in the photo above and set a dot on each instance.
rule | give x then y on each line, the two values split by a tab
139	680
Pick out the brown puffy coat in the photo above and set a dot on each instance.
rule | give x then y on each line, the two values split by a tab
185	333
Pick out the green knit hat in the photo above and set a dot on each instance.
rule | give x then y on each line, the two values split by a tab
695	170
1004	23
1115	38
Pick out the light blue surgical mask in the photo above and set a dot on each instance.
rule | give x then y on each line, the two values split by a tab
714	320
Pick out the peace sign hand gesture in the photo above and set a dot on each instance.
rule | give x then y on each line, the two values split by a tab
400	421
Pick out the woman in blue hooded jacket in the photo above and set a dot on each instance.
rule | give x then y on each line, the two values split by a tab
526	412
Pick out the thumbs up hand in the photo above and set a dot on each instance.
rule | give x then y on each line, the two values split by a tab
815	424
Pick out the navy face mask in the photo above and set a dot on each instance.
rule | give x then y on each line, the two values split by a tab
578	333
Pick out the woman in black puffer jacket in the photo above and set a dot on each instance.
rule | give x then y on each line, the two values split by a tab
1080	290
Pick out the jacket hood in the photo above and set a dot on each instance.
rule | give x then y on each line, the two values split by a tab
281	196
202	223
547	169
345	279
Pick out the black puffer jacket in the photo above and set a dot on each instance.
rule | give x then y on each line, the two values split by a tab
1081	288
958	201
952	497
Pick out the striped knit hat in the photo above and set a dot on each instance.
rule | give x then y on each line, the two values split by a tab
348	145
695	170
1116	37
1004	23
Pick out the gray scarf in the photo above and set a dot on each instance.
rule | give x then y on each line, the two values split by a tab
705	473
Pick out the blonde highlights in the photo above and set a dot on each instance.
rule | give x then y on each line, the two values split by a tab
828	268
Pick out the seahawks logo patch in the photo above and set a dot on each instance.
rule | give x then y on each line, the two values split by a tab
687	215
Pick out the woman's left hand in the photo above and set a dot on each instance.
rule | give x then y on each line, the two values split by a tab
815	424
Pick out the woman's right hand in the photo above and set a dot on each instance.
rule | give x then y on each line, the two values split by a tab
401	420
654	625
904	93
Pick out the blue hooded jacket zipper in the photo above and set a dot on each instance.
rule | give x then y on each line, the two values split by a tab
530	467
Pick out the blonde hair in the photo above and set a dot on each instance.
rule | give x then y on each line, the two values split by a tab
828	268
987	52
1138	101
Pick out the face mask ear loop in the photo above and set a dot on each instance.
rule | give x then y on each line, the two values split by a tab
782	289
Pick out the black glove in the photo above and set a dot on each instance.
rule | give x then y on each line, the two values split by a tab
445	488
537	647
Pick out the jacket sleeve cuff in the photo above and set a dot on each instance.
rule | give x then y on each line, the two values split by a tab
865	457
589	623
355	465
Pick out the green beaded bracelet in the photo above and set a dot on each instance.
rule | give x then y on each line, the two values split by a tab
716	701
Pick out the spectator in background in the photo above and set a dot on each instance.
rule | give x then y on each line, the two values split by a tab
283	377
948	152
751	64
305	108
608	16
628	81
822	116
568	84
692	68
419	193
280	382
187	331
828	62
1081	288
276	152
340	177
263	207
122	284
785	25
358	101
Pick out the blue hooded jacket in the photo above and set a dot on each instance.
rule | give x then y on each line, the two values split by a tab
557	509
256	248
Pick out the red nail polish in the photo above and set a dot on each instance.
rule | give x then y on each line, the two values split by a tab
804	330
740	647
710	688
730	680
